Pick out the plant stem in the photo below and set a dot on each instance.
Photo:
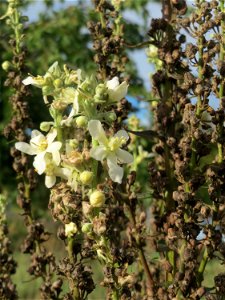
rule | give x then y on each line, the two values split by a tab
221	91
203	264
149	278
199	102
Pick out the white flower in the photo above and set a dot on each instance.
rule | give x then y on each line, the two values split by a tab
116	91
39	81
109	149
51	170
36	81
39	146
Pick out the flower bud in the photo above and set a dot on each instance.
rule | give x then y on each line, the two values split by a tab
153	51
97	198
99	99
73	143
45	126
86	177
7	65
58	83
24	19
81	121
8	22
86	228
46	90
70	229
20	26
110	116
101	88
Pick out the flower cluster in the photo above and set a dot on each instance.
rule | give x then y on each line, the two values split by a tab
75	139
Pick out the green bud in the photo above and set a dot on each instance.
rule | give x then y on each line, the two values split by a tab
87	228
8	22
110	116
73	143
46	90
24	19
48	80
20	26
7	65
58	83
45	126
81	121
99	99
86	177
100	89
97	199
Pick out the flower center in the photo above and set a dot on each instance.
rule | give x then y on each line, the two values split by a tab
50	169
43	145
115	143
40	145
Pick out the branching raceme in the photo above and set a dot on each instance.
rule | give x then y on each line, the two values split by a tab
78	149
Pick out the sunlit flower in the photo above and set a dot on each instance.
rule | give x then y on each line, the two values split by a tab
39	146
110	149
116	91
51	170
39	81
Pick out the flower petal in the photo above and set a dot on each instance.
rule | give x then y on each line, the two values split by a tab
56	157
50	181
26	148
112	158
98	153
28	80
39	163
51	136
76	103
124	156
115	172
35	133
119	92
122	134
113	83
55	146
97	132
63	173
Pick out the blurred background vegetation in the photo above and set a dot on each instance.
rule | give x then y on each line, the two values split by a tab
60	35
55	35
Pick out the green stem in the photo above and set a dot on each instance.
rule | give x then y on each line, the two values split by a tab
58	119
220	152
221	91
15	18
95	166
171	258
115	295
203	264
73	287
